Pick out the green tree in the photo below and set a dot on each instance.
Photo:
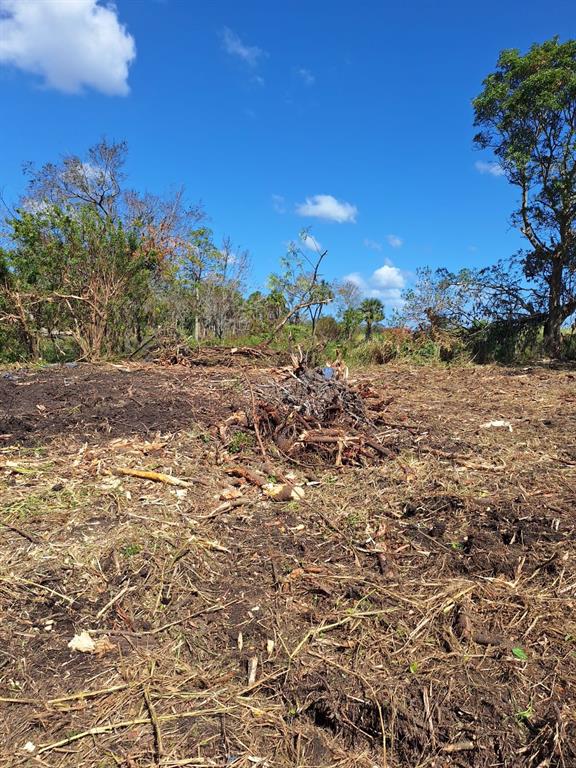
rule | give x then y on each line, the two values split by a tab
351	321
526	114
372	312
264	310
74	270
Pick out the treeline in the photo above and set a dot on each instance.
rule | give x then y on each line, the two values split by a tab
86	259
90	267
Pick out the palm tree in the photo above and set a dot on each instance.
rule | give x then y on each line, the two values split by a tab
372	312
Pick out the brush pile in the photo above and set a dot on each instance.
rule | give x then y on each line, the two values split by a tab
169	347
315	417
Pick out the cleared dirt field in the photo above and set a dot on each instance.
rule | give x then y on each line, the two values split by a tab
419	610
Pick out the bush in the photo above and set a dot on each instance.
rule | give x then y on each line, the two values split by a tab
505	343
402	344
327	329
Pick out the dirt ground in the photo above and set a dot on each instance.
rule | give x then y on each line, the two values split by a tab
415	611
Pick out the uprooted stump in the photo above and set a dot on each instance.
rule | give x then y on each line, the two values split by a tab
316	417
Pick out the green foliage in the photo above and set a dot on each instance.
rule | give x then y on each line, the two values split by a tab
299	282
351	321
327	329
131	549
526	114
504	342
263	311
525	715
372	311
401	344
240	441
74	270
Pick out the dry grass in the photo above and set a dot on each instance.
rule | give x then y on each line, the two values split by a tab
414	612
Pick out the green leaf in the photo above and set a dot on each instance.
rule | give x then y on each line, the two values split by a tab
519	653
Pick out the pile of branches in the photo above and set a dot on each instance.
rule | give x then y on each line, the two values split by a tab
314	416
169	347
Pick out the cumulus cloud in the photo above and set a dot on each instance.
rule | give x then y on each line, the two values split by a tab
385	283
394	241
70	44
327	207
235	47
306	76
388	277
494	169
372	245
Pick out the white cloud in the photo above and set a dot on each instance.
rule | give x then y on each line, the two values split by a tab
492	168
279	203
394	241
306	76
310	242
372	245
388	277
71	44
385	283
235	47
327	207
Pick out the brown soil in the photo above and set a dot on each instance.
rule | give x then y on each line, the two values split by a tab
416	611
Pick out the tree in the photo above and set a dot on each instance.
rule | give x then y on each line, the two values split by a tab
95	181
300	282
526	113
347	295
221	290
264	310
73	270
372	312
351	321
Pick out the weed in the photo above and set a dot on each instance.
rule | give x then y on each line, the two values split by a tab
524	715
240	441
131	549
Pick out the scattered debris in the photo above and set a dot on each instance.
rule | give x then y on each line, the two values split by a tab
227	494
383	620
497	424
252	669
82	643
156	477
282	492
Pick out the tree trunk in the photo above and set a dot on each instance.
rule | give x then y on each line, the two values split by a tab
553	324
197	314
28	331
368	334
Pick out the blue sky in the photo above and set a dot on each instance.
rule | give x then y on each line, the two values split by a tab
354	120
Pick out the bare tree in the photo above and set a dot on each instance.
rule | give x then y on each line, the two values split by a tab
95	180
304	289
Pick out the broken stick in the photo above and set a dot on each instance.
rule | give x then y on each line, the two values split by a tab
157	477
